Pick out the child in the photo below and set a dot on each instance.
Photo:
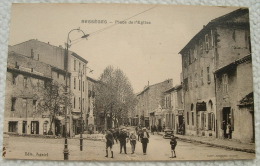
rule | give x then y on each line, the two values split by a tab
173	144
132	142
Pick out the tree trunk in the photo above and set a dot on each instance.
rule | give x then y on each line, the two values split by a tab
50	132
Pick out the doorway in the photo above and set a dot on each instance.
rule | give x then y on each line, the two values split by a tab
34	127
226	116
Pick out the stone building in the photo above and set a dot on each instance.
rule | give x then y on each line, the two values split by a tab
173	109
150	102
219	43
24	80
77	76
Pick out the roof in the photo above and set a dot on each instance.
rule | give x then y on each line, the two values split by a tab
73	53
149	86
215	22
234	63
177	87
92	79
247	100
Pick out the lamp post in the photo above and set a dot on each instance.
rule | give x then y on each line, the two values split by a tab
66	150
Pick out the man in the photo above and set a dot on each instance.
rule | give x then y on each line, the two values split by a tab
109	143
122	140
144	140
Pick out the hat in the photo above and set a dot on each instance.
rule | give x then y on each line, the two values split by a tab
144	128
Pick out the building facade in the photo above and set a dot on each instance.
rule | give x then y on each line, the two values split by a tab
76	76
150	102
25	79
173	109
219	43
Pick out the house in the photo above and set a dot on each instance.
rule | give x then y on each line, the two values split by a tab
219	43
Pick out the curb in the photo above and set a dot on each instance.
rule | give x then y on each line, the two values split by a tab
216	145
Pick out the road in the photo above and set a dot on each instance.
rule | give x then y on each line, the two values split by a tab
158	149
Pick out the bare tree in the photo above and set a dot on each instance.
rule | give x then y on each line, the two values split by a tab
115	95
53	101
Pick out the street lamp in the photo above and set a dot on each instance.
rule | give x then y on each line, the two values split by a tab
66	150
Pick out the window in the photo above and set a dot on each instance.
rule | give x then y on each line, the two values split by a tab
191	83
34	105
13	103
83	86
83	104
196	80
74	83
206	42
14	76
45	125
32	54
83	69
58	75
74	103
24	104
16	65
208	75
188	119
201	77
225	83
79	84
25	82
79	67
192	118
79	102
12	127
74	65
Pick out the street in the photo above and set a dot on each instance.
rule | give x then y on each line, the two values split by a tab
158	149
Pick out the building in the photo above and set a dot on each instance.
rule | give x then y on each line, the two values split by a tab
173	109
220	42
150	100
77	76
24	79
92	118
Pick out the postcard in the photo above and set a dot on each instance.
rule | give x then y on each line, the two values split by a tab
128	82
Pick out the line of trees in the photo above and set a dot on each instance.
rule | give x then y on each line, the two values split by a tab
115	98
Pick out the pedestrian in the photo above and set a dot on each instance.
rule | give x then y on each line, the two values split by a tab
144	140
132	139
109	143
122	140
139	134
229	131
173	144
116	134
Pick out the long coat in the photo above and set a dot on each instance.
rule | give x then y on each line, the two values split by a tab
144	140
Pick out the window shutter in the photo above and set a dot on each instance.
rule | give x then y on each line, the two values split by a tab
221	118
232	119
209	121
202	120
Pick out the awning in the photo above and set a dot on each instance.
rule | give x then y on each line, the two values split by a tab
59	117
75	117
248	100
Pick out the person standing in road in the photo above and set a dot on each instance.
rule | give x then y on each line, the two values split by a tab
122	140
132	142
173	144
109	143
144	140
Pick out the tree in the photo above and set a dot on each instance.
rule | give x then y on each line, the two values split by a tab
53	101
115	95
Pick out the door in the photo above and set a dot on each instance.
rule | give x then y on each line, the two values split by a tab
34	127
226	116
24	127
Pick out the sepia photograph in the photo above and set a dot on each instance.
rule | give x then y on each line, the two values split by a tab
128	82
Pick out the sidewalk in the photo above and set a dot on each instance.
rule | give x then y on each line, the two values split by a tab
216	142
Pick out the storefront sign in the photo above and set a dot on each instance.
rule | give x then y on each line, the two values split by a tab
201	106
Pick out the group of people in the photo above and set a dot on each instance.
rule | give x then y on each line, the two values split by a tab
123	136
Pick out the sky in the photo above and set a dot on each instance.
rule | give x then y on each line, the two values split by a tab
147	52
